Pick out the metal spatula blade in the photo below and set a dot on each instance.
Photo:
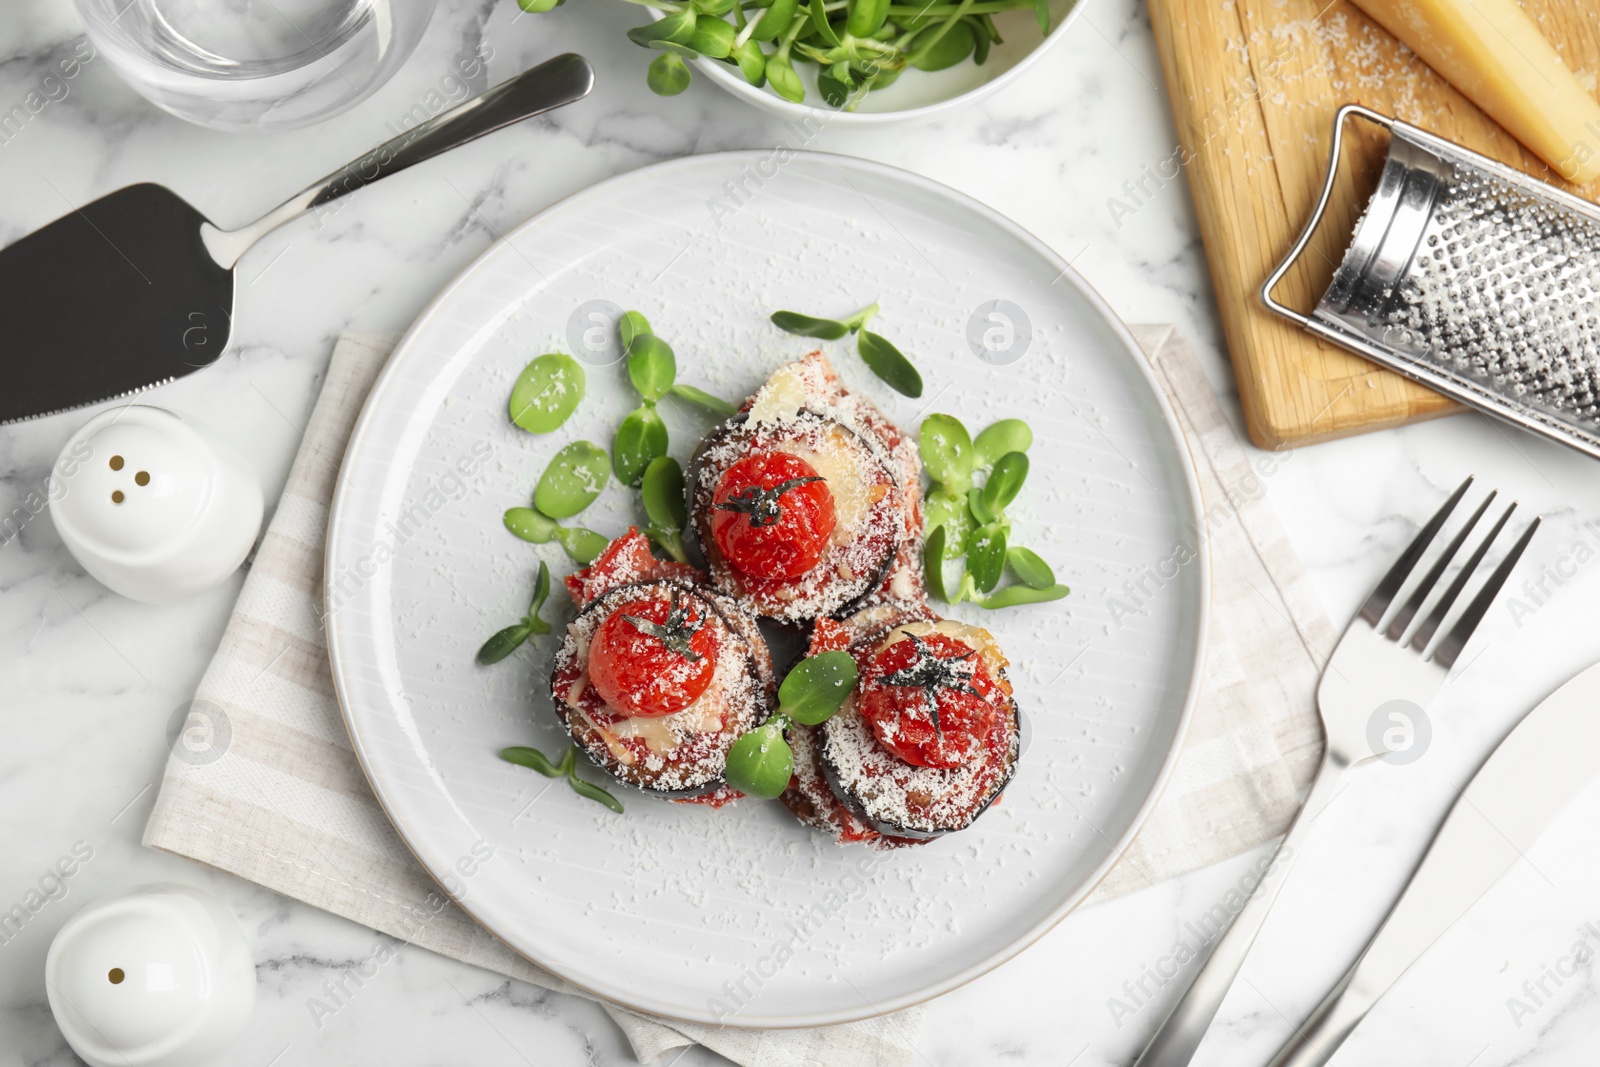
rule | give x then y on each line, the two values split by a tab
117	296
136	289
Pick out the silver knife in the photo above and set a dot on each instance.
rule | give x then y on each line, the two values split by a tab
1546	761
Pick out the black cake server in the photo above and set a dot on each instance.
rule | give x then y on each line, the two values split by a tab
136	289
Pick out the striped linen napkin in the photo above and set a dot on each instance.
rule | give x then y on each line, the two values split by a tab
282	802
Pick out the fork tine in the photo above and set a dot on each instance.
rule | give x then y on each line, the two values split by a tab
1459	634
1409	609
1435	619
1379	601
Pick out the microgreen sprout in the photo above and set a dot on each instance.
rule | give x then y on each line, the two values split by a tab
508	640
964	518
532	758
575	476
877	352
546	393
662	491
761	762
653	369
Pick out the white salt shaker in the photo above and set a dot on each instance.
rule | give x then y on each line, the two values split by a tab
160	977
156	507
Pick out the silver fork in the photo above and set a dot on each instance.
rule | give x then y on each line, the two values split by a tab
1376	661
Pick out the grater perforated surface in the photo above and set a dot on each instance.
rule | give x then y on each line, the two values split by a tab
1505	291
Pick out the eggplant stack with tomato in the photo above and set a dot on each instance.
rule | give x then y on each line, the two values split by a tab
926	741
659	674
806	504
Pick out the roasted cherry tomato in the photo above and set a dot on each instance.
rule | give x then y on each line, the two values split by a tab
772	515
929	700
652	657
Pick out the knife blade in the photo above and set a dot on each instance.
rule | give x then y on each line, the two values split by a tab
1523	785
136	289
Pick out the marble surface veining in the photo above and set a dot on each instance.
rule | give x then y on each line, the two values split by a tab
91	681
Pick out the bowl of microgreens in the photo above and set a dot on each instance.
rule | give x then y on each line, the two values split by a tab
856	62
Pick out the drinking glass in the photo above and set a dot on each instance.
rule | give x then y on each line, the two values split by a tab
255	64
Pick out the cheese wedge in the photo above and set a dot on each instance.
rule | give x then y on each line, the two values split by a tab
1493	53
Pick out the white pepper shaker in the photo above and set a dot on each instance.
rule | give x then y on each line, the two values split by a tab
159	977
155	506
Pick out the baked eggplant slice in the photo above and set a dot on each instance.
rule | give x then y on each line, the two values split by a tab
655	681
931	736
798	518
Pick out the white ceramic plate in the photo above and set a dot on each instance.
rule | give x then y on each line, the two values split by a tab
916	95
674	909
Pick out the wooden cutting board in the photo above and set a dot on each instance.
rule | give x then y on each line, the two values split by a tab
1254	86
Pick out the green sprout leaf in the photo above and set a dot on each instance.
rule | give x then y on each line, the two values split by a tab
703	399
1007	435
986	556
760	762
538	7
631	325
580	545
524	756
572	481
662	491
593	792
933	564
809	326
641	437
546	393
503	644
1033	571
819	20
783	79
668	74
955	45
541	593
676	28
817	687
949	511
946	452
976	506
651	366
887	362
866	17
512	637
1005	482
752	61
1041	13
713	37
775	20
530	525
835	93
1016	595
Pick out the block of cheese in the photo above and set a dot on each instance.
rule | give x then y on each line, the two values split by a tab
1493	53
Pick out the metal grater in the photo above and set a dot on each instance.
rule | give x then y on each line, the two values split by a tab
1471	278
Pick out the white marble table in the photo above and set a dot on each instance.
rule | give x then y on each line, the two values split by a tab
91	680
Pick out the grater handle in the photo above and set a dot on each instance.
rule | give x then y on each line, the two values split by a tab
1276	276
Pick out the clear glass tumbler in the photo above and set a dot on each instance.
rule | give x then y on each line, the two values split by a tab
255	64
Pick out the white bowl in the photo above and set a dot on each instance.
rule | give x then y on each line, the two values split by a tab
916	95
